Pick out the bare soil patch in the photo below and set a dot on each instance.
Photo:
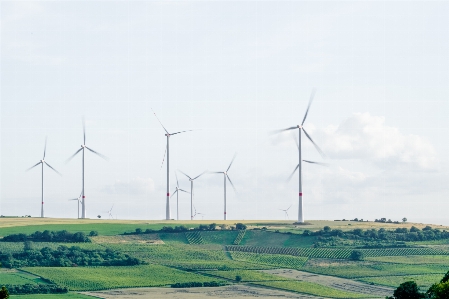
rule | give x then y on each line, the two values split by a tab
334	282
129	239
232	291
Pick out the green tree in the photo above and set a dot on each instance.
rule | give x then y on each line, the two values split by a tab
240	226
356	255
404	219
4	293
238	278
408	290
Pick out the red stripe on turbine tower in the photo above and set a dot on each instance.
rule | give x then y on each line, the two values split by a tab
300	193
168	194
84	196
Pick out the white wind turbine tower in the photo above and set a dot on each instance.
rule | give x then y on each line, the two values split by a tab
191	192
79	200
225	175
299	166
167	149
177	196
286	211
43	162
83	147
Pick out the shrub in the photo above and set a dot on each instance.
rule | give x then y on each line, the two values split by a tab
356	255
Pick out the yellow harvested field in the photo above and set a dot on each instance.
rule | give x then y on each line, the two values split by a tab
269	224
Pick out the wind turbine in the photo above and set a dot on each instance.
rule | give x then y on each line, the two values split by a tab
299	166
177	196
167	150
225	175
83	147
110	212
79	200
202	215
286	211
43	162
191	192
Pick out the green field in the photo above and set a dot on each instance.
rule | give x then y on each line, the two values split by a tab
311	288
55	296
18	277
274	260
424	281
101	278
353	270
206	256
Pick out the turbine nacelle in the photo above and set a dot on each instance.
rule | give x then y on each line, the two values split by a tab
83	145
42	161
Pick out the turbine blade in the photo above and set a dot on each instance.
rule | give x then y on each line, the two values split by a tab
97	153
199	175
84	130
53	168
181	132
163	159
282	130
316	146
45	148
159	121
308	106
71	157
174	193
177	182
231	162
184	191
296	140
290	177
74	199
318	163
34	166
235	190
288	208
184	174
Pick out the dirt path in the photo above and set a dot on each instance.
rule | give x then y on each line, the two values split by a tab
232	291
334	282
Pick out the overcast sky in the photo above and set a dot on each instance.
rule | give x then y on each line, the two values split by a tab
232	71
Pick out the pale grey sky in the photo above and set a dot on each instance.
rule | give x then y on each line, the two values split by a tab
233	71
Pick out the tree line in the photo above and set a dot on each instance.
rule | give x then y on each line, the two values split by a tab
332	237
182	228
65	256
50	236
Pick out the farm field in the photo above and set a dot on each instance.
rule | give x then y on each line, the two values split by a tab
53	296
100	278
230	291
280	258
424	281
354	270
334	282
13	276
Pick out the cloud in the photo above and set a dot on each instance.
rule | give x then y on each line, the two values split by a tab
366	137
135	186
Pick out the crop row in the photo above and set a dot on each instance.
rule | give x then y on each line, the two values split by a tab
335	253
98	278
239	237
276	260
194	237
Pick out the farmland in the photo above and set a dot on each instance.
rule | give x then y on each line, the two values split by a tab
274	255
